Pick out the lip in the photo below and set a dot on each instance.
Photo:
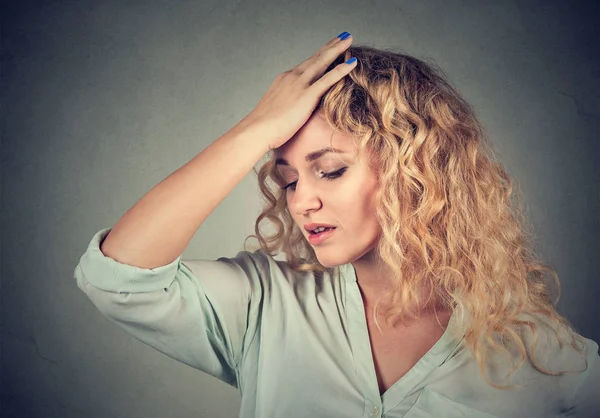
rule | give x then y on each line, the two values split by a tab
312	226
315	239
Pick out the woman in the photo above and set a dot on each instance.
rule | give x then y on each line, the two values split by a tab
409	289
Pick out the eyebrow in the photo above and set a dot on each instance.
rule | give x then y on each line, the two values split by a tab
310	157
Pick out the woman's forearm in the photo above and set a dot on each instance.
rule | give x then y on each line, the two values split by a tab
158	228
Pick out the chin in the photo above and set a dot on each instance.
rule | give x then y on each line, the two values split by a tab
331	261
334	257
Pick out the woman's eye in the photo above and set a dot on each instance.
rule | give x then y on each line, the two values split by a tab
292	185
334	174
327	176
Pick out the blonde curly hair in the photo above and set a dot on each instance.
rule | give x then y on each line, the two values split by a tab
445	205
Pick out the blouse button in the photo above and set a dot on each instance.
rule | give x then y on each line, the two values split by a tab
374	412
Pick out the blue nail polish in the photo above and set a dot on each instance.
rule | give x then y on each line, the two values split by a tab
346	35
351	60
342	34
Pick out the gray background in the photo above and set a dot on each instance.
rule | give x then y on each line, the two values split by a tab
101	100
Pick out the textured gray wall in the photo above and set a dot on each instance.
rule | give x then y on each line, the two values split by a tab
103	100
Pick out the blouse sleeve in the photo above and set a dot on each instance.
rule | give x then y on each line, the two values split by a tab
202	313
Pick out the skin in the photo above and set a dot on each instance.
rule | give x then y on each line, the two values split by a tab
346	202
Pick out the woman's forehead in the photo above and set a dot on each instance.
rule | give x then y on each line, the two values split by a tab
313	137
308	155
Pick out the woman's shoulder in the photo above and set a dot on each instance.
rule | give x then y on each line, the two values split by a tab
575	360
557	342
564	362
560	372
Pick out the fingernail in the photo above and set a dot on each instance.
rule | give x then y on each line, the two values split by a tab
351	60
344	35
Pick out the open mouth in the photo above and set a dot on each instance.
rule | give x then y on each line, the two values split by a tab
320	235
320	230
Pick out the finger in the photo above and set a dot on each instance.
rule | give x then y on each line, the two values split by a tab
317	56
302	66
324	83
319	63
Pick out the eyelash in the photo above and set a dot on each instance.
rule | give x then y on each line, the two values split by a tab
327	176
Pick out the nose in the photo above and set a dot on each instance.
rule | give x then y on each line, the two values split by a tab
304	199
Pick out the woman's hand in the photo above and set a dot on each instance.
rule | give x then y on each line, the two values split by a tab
295	93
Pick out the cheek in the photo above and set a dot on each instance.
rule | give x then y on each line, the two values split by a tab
360	196
288	201
369	208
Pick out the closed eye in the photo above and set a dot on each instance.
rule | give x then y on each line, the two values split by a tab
327	176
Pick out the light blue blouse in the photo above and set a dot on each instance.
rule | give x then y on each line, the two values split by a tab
297	345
